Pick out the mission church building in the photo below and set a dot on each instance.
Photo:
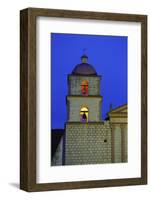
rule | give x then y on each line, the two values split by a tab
87	139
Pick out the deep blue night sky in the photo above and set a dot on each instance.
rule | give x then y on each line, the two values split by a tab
108	54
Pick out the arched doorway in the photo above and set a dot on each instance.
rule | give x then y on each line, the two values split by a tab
84	113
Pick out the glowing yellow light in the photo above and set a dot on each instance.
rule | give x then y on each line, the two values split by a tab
84	110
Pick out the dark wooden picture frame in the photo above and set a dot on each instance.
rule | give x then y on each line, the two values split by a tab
28	98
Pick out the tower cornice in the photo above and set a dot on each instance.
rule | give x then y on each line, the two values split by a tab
81	75
80	96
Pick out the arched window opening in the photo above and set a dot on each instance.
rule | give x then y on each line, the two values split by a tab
84	114
84	88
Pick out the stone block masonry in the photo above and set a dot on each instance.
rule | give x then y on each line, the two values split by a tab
75	84
92	103
88	143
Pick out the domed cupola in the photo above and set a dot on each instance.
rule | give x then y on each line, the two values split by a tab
84	68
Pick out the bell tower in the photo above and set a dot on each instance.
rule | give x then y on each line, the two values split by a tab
87	136
84	100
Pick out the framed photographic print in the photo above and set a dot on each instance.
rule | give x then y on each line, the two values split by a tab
83	99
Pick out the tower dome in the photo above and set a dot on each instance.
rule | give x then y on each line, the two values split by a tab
84	68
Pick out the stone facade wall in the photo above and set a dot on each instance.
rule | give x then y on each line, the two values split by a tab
76	103
119	132
75	84
118	120
87	143
117	145
125	144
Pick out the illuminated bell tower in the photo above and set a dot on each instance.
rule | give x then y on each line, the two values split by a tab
87	136
84	100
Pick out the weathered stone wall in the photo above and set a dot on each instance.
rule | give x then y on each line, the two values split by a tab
125	145
88	143
74	84
119	134
117	145
76	103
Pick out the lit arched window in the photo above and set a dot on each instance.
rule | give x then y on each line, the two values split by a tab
84	87
84	114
